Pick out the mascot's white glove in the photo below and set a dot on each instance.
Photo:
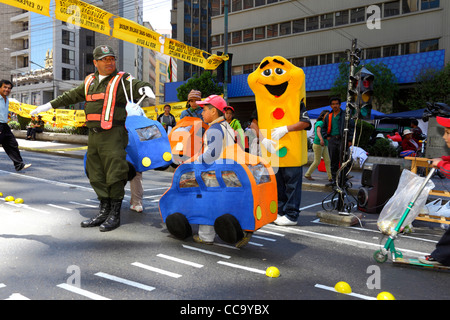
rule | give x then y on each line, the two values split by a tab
146	91
134	109
279	132
269	145
42	108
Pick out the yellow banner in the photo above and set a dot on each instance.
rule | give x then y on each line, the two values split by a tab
38	6
82	14
55	117
130	31
153	112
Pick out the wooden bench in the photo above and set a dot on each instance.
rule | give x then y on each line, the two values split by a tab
423	162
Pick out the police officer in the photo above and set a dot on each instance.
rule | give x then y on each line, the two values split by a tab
106	112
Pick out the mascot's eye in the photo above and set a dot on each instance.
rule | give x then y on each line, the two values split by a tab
280	71
267	72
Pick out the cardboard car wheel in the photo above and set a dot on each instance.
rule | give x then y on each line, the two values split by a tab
178	226
228	228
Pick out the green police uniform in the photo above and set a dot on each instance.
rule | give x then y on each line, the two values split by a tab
106	163
106	157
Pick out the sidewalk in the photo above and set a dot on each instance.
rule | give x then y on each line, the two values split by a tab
57	148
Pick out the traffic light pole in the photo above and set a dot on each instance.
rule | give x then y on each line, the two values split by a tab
340	196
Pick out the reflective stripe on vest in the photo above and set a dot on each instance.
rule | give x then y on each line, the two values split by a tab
109	97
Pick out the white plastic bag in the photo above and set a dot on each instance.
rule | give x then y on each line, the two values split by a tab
408	186
432	207
444	211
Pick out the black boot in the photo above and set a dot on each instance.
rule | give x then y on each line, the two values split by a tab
113	220
105	208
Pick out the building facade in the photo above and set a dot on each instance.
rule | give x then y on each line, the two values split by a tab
409	36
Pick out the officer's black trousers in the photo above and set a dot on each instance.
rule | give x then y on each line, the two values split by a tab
10	145
106	162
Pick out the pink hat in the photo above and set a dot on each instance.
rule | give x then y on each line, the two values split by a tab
445	122
216	101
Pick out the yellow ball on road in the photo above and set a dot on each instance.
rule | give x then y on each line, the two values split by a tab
18	200
343	287
272	272
385	296
1	194
9	198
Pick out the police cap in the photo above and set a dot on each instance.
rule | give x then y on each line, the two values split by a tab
103	51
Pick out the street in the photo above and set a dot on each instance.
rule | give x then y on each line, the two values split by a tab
46	255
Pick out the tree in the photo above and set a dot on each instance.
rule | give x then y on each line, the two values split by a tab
385	84
432	86
205	83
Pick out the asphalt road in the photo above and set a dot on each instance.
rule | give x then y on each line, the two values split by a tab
46	255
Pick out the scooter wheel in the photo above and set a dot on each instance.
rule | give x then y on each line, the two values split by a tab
379	256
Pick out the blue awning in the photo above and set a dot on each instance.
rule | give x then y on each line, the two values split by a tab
322	78
412	114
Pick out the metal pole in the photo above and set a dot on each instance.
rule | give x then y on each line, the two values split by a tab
225	39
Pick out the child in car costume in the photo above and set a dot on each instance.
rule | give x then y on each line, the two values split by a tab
280	96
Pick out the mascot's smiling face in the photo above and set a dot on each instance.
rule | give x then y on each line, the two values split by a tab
276	79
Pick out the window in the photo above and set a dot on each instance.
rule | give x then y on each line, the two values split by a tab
260	173
312	23
272	31
429	45
148	133
326	20
285	28
215	41
392	8
231	179
187	180
409	48
410	6
298	62
341	17
209	178
298	26
389	51
260	3
357	15
215	8
236	5
326	58
373	53
339	56
67	74
311	61
247	4
260	33
430	4
248	68
68	56
248	35
68	38
236	36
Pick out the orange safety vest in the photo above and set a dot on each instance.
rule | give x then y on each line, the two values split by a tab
108	97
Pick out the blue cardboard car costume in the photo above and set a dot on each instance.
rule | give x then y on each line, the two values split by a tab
148	145
235	195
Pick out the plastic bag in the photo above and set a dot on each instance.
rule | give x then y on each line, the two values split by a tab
408	186
444	211
432	207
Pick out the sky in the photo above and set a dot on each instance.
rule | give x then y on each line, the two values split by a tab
157	12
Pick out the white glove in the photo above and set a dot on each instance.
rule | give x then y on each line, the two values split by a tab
42	108
134	109
269	145
146	91
279	132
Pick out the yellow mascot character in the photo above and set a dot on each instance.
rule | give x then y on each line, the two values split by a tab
279	89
